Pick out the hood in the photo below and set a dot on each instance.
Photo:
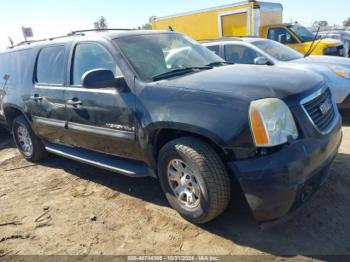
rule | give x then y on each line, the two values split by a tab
330	42
328	60
248	82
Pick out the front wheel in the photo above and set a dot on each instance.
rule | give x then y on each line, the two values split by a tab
194	179
29	145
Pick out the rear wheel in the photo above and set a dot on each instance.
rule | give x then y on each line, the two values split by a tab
29	145
194	179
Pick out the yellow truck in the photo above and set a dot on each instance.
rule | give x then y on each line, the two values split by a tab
248	18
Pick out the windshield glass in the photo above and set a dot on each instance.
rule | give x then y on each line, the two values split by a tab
304	34
156	54
277	50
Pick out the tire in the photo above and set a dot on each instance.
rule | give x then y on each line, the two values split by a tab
33	148
203	192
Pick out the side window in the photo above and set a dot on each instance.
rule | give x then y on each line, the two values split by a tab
240	54
4	70
281	35
50	66
215	49
90	56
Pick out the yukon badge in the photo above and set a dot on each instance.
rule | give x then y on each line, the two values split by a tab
120	127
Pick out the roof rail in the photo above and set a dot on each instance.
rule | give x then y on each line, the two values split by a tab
36	41
99	30
73	33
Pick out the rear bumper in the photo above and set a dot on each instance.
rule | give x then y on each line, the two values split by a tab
278	184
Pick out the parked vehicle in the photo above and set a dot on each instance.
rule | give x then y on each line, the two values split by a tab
248	18
335	70
343	36
2	93
114	100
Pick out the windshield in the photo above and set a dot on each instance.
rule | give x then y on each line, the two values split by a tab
277	50
304	34
156	54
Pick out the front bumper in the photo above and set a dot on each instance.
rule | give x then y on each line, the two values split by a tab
277	184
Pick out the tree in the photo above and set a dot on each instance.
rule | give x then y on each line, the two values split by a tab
346	23
317	24
101	23
147	26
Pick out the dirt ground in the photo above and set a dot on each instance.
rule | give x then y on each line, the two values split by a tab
64	207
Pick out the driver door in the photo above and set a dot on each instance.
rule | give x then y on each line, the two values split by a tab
101	120
285	37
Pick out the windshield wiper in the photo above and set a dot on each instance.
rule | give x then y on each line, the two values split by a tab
313	46
179	71
218	63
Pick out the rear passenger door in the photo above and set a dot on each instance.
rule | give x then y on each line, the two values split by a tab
101	120
47	99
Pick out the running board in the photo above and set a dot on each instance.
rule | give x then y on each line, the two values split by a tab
119	165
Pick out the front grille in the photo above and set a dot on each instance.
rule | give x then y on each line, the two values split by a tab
321	110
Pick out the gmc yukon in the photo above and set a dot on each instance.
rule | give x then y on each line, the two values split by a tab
128	102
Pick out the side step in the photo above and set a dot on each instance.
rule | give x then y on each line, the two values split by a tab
119	165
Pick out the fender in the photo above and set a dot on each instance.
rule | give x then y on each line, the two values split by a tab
13	102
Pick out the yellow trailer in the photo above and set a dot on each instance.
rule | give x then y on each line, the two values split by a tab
248	18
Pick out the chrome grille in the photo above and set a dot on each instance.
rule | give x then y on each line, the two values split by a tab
321	110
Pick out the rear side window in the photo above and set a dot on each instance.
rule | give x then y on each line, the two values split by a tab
50	66
15	67
215	49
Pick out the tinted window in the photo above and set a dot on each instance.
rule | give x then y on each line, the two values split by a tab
50	65
17	66
89	56
215	49
277	34
240	54
4	66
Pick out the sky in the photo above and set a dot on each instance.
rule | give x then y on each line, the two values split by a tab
58	17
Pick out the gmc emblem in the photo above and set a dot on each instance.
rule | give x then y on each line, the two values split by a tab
325	107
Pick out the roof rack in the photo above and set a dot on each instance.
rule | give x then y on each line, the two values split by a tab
99	30
73	33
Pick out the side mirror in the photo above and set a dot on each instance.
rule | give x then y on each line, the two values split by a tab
282	38
102	78
261	60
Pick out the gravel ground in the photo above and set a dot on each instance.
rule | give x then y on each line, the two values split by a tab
61	207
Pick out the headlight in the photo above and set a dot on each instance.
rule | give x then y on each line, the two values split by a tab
271	122
341	71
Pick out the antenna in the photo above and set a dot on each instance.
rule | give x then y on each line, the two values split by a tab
11	41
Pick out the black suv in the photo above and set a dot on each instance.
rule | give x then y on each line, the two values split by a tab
154	103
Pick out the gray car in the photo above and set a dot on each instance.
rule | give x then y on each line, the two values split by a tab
335	70
343	36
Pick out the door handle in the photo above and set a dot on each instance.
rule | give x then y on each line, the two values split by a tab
36	97
74	102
